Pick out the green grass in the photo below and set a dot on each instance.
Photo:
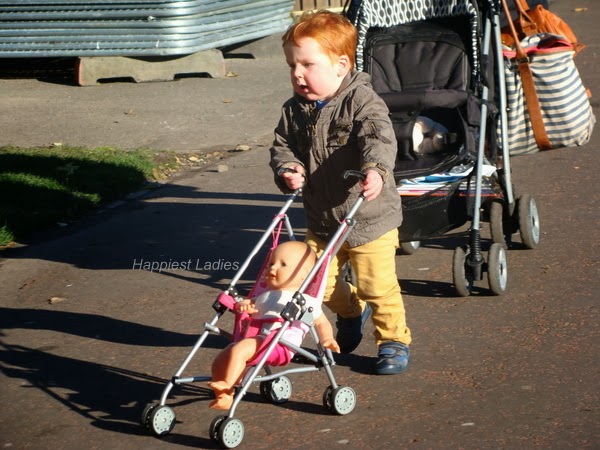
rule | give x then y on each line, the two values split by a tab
41	187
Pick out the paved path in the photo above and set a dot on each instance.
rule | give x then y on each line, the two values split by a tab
89	336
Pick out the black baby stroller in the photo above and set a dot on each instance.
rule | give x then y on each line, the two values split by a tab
436	64
275	386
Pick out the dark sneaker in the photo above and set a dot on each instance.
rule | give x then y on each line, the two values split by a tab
350	331
393	358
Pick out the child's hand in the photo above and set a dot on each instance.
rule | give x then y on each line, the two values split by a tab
372	184
246	306
331	344
294	180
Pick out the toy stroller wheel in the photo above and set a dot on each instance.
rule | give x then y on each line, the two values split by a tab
497	269
230	433
462	285
497	223
278	390
529	221
161	420
213	430
146	414
342	400
327	398
265	387
410	247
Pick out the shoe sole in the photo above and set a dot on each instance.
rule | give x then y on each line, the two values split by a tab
390	371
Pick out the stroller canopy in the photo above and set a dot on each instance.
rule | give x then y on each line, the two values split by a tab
366	14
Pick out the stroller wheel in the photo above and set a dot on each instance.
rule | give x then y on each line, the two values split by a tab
410	247
529	221
340	401
276	391
497	223
146	414
497	269
327	398
213	430
160	420
230	432
462	285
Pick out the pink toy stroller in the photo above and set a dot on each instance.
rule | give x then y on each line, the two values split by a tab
275	387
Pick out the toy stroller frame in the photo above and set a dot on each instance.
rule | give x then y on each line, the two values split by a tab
275	387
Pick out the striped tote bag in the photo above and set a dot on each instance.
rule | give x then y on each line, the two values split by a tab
564	102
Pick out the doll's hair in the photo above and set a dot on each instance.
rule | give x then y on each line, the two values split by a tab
334	33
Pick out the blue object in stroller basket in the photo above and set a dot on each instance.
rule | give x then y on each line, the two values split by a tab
275	387
438	65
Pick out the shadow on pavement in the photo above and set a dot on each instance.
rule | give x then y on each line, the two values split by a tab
98	327
201	236
107	395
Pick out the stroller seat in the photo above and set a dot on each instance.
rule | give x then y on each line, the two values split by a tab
246	326
423	70
436	57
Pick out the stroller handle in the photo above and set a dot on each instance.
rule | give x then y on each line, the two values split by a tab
354	174
283	170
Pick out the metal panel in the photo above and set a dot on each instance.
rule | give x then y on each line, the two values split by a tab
134	28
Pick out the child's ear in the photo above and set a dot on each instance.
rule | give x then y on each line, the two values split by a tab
343	65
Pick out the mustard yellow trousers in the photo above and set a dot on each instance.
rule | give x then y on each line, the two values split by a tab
374	267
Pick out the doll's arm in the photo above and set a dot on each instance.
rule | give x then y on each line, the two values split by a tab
246	306
325	332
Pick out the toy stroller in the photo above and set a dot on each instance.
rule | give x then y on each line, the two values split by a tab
438	66
228	430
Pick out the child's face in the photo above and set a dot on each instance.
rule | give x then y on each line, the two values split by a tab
287	270
314	76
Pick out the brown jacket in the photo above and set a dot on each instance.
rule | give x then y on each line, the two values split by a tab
351	132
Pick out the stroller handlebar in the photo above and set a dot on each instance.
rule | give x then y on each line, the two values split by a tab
354	174
347	174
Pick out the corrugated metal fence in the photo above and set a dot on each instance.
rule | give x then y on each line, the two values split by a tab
40	28
303	5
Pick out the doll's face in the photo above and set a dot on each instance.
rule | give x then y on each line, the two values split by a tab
289	265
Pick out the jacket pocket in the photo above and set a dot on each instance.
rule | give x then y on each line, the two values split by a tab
340	133
303	140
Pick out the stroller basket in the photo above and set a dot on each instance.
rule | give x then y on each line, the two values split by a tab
433	213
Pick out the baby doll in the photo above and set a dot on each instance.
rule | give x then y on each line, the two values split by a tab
289	265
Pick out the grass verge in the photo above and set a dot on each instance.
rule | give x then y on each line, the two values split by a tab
42	187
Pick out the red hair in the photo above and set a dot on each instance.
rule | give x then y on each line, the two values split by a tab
333	32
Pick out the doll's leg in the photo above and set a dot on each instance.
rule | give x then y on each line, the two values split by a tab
227	369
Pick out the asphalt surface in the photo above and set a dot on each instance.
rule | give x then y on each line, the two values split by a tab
191	114
90	334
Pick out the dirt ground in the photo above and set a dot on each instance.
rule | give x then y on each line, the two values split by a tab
89	335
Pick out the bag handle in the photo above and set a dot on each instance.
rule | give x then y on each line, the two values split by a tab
527	24
531	97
